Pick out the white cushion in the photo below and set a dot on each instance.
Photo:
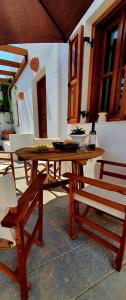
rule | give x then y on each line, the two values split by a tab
7	191
46	141
18	141
109	195
7	199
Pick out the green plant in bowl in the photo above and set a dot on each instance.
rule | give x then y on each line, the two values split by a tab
77	131
78	135
41	148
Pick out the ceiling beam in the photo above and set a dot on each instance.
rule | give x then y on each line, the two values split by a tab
19	66
3	80
20	70
8	73
9	63
15	50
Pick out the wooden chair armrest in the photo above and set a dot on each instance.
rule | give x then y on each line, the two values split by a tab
95	182
113	163
15	215
7	152
101	200
10	220
6	158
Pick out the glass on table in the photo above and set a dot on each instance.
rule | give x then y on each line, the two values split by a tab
82	147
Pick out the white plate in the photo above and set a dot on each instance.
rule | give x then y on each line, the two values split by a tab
78	138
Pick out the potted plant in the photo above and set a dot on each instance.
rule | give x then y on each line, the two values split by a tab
5	105
78	135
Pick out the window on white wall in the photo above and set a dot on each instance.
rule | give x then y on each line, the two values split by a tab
75	76
108	77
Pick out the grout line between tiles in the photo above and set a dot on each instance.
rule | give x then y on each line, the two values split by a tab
93	285
56	258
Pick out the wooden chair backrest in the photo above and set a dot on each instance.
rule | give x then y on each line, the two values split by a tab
17	218
81	219
111	173
8	157
25	203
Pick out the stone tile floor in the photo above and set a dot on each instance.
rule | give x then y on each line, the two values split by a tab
64	269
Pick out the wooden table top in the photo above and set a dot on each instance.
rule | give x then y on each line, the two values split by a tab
58	155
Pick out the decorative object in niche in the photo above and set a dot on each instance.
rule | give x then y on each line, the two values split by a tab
102	117
83	113
21	95
5	134
34	64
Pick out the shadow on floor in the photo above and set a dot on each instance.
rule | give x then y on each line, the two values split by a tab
64	269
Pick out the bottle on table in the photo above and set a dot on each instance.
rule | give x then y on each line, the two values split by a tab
92	137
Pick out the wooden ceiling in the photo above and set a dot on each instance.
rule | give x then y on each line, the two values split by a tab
39	21
35	21
14	75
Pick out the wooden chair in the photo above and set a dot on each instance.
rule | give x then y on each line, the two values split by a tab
50	168
7	157
53	169
22	140
17	218
7	199
105	197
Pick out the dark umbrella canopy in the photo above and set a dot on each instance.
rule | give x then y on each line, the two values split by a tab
39	21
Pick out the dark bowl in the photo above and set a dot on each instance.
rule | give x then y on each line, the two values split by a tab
66	147
57	145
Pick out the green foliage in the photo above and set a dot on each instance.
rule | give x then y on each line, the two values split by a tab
78	131
40	148
5	97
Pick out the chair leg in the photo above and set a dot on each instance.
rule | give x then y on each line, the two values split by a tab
55	169
86	211
13	172
72	219
21	264
119	257
27	166
47	167
76	207
12	166
59	169
40	213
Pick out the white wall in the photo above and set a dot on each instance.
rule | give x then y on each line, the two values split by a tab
54	61
63	59
111	136
93	13
28	111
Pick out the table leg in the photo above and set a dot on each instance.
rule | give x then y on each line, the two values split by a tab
81	173
34	169
77	168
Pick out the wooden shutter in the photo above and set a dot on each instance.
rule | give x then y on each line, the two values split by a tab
123	91
75	75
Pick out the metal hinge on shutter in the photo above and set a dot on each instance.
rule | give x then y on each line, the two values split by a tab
89	41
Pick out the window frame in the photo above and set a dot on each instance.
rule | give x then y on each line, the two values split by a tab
94	96
75	73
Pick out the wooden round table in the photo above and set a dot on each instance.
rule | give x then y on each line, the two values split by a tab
78	159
